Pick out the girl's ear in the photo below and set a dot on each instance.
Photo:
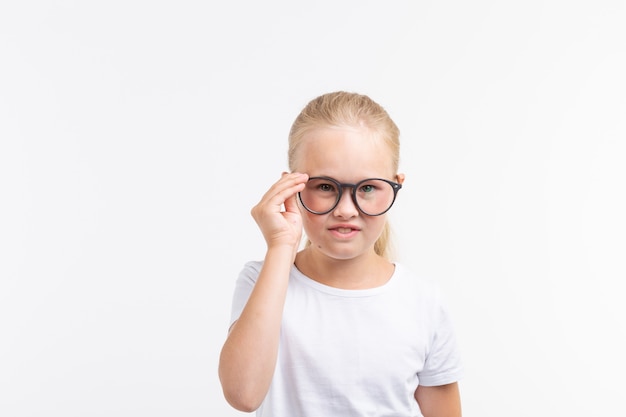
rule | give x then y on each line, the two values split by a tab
400	178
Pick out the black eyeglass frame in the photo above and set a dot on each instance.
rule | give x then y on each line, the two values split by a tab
340	186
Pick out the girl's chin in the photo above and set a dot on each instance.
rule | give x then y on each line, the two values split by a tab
340	252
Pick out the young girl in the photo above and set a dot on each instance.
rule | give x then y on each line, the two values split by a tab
337	329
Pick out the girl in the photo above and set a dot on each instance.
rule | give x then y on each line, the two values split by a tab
337	329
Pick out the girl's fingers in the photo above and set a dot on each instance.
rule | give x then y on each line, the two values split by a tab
291	204
285	188
278	195
278	226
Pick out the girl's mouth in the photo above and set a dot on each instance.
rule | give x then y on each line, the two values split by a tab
344	231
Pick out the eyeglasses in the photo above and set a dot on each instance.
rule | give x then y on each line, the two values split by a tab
372	196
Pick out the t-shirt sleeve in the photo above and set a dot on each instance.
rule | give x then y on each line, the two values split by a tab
443	361
243	287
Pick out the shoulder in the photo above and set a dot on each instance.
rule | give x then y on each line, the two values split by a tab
250	272
420	295
411	282
252	267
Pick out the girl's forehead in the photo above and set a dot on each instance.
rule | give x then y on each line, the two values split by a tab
344	137
345	152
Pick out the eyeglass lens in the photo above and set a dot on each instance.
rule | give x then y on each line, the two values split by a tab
372	196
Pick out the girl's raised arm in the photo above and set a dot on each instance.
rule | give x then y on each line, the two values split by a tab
248	357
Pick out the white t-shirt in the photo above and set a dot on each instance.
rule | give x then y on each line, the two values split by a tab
356	352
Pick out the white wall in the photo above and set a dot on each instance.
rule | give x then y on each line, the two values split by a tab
135	136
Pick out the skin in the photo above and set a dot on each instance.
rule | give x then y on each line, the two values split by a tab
439	401
341	255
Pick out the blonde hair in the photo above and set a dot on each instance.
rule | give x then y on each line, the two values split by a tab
343	109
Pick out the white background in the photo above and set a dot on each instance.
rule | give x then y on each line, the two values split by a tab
136	136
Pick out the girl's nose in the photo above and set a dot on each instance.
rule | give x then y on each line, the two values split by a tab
346	207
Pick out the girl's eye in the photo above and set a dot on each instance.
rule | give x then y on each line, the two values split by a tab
326	187
367	188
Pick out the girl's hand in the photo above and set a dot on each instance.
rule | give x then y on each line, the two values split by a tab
281	227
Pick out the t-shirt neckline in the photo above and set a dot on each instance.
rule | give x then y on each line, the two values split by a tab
341	292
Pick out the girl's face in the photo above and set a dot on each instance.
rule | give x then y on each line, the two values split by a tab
347	155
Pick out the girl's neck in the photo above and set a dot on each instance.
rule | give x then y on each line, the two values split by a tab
366	271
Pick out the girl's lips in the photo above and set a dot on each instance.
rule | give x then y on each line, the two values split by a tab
344	230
